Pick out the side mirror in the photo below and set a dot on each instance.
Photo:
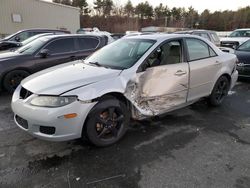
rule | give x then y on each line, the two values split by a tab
17	39
44	53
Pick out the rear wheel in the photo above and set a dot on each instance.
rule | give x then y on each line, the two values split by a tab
220	91
13	79
107	122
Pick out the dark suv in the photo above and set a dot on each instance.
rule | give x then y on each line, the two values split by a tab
25	34
43	53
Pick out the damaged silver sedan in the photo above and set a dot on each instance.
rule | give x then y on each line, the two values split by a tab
135	77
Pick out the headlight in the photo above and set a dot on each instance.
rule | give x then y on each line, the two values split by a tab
52	101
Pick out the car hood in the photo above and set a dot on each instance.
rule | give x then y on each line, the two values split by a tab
65	77
8	55
232	39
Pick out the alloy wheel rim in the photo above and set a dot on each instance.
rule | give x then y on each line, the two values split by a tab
221	91
109	123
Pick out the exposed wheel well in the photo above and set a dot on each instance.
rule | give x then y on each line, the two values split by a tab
118	96
227	76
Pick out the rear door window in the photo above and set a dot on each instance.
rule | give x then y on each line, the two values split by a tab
61	46
88	43
197	49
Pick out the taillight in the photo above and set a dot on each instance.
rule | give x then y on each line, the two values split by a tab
237	61
235	65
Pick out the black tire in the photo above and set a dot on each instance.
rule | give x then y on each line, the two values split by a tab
13	79
107	122
220	91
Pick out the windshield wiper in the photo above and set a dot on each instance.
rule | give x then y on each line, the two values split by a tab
96	63
101	65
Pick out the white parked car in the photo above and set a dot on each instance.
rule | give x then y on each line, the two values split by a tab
135	77
236	38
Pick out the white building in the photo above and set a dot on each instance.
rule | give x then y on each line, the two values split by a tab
17	15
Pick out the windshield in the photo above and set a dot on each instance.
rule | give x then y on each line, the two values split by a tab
9	36
240	33
245	46
121	54
33	46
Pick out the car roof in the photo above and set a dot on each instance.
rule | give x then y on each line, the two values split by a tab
162	36
70	35
195	30
42	29
242	29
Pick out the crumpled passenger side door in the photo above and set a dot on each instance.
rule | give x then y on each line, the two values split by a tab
160	89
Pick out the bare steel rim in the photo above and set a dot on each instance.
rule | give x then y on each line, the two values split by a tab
109	124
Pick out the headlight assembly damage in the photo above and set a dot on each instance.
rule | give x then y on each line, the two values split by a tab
52	101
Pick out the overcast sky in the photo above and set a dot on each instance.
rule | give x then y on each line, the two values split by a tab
199	5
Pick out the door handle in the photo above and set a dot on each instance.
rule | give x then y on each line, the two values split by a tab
180	73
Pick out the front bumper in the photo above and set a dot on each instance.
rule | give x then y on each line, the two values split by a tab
39	119
244	71
229	44
234	78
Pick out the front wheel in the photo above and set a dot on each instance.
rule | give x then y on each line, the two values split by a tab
13	79
107	122
220	91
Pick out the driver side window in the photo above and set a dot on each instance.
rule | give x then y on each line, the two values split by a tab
22	36
168	53
60	46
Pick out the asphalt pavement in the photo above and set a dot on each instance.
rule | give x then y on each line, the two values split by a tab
198	146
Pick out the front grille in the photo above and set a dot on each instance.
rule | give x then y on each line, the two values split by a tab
47	130
229	44
22	122
24	93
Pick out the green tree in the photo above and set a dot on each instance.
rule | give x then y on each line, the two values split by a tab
204	18
107	7
103	7
56	1
98	6
144	10
191	17
160	11
66	2
129	9
176	13
83	5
